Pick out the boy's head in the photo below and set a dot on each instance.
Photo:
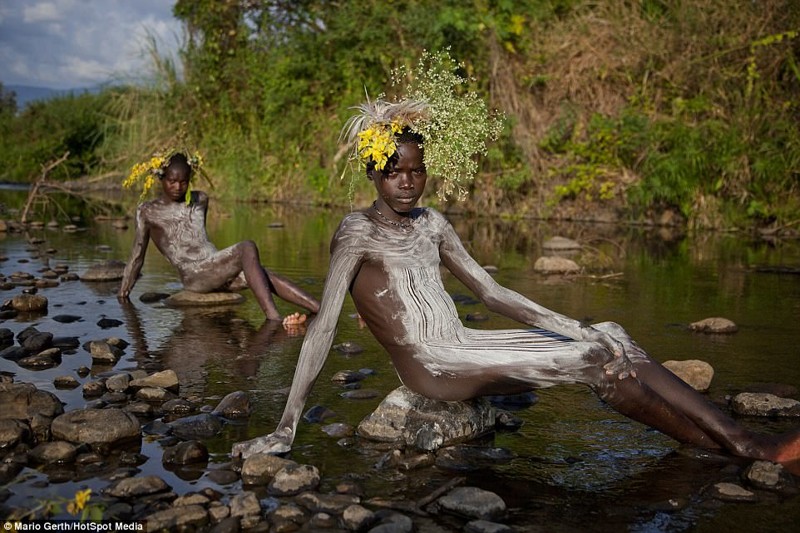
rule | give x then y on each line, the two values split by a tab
176	178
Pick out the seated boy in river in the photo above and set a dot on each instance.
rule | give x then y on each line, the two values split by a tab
176	222
388	257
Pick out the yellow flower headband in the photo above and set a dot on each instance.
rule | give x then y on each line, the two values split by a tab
146	172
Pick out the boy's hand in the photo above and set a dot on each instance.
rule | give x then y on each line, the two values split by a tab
621	365
276	443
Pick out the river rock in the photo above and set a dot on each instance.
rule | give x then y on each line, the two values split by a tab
96	427
388	521
763	404
166	379
23	401
357	518
348	348
57	452
288	517
768	476
118	382
347	376
41	340
153	297
196	427
102	352
555	265
184	453
234	405
245	504
294	479
473	502
110	270
698	374
560	244
29	303
13	353
732	492
12	432
714	325
485	526
196	299
404	417
183	518
46	359
326	503
260	468
472	457
136	487
65	382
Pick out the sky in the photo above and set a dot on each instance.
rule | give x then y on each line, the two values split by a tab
70	44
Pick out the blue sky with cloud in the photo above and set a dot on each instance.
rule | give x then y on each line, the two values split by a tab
66	44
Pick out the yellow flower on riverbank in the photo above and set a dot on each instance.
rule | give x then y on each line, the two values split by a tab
78	504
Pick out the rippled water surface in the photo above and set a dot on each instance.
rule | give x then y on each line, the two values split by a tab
579	466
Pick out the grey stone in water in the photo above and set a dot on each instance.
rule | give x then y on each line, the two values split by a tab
347	376
96	427
514	402
260	468
184	453
118	382
6	337
152	297
66	382
107	271
414	420
294	479
57	452
507	421
288	517
768	476
135	487
29	303
166	379
37	342
93	389
560	244
732	492
245	504
485	526
23	401
762	404
13	353
12	432
46	359
183	518
714	325
555	265
234	405
67	319
154	394
179	406
387	521
473	502
107	323
326	503
202	426
472	457
66	343
338	430
102	352
698	374
196	299
348	348
357	518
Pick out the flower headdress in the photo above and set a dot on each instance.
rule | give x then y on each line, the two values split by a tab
146	172
455	124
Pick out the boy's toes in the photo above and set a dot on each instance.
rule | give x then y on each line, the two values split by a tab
295	319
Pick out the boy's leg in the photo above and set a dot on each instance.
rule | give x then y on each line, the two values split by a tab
257	278
290	292
660	399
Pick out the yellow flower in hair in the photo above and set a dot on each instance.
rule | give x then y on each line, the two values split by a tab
376	143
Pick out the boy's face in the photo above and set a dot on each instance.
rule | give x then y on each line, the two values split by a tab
175	183
400	185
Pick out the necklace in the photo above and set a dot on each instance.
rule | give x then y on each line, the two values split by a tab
404	225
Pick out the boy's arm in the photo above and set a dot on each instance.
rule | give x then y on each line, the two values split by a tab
343	267
138	251
511	303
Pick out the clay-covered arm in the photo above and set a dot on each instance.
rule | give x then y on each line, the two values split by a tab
319	338
510	303
138	251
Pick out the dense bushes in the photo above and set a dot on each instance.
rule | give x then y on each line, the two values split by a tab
639	106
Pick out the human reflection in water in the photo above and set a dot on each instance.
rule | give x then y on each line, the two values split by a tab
204	339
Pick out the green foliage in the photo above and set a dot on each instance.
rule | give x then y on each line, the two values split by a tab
44	131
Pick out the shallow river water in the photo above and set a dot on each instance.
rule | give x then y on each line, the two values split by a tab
578	466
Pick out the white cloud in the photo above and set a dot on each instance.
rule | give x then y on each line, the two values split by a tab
75	43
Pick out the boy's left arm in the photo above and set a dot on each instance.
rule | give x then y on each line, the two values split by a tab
138	251
511	303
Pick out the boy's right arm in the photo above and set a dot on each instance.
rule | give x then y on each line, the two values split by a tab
343	267
138	251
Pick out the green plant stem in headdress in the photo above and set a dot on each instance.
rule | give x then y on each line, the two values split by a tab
458	123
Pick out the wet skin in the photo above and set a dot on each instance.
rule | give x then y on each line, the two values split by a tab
388	257
179	232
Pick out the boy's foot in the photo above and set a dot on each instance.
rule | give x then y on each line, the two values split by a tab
295	322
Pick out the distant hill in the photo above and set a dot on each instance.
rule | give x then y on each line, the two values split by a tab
27	94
